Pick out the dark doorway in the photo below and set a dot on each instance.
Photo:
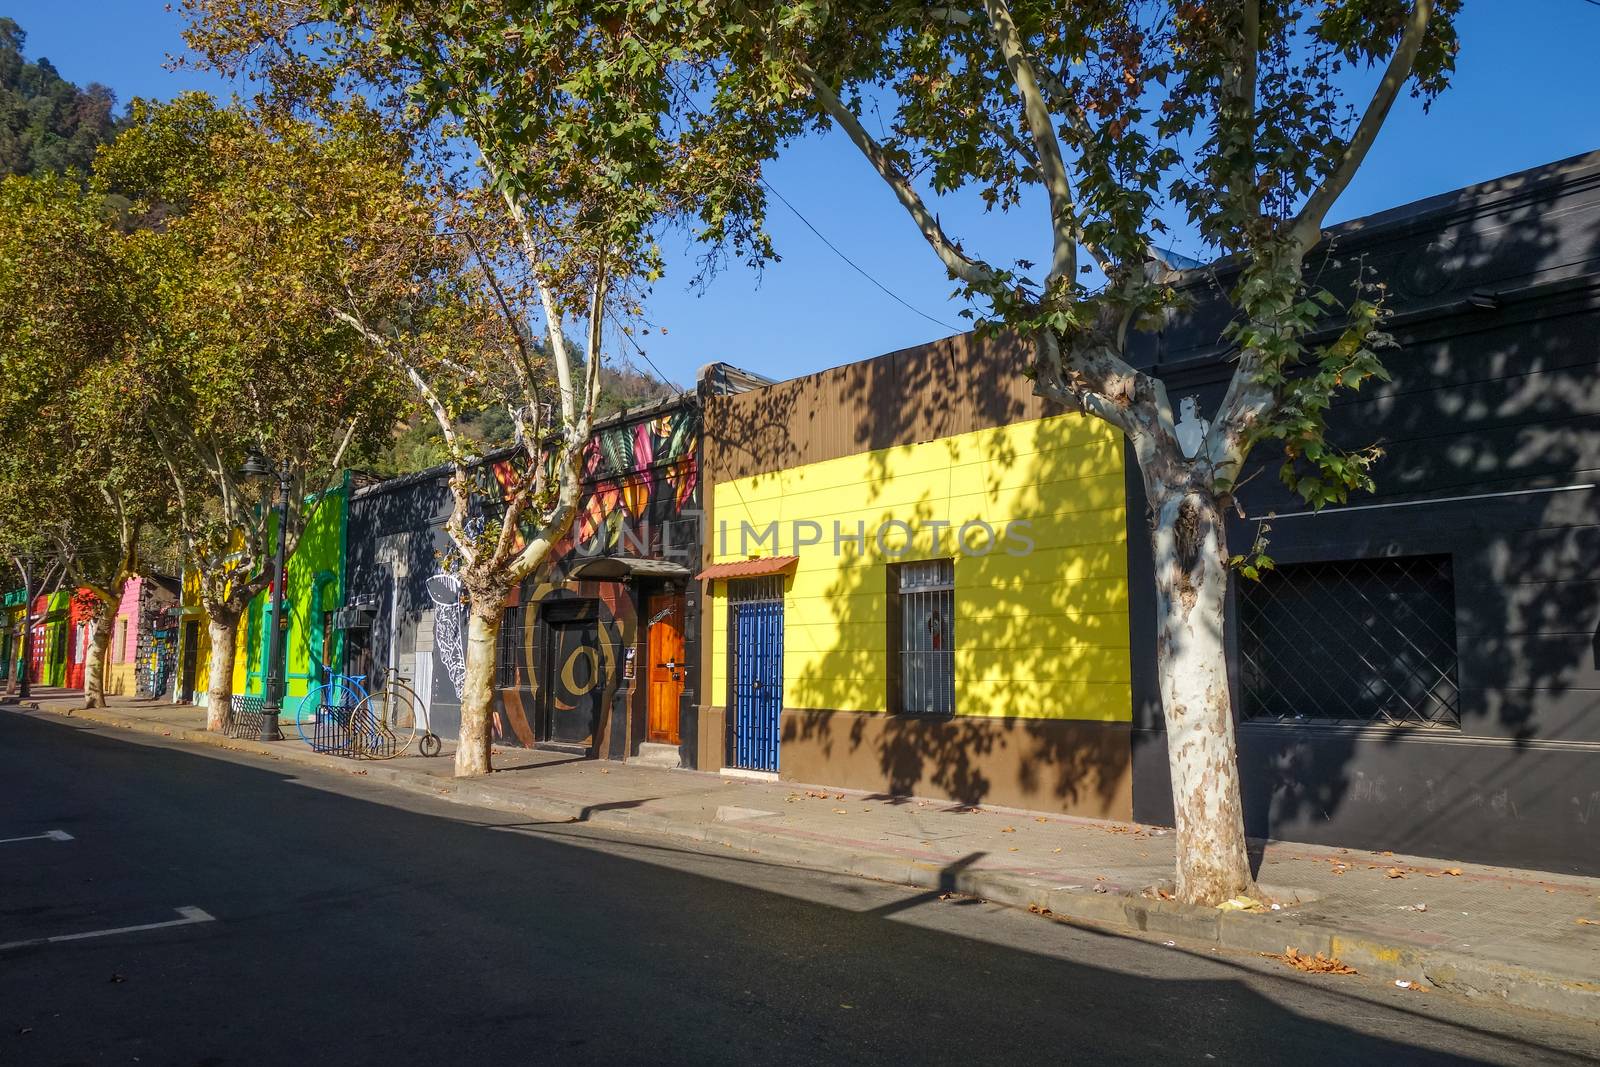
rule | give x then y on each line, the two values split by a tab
191	659
573	689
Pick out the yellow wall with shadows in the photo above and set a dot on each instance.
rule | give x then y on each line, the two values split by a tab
1039	633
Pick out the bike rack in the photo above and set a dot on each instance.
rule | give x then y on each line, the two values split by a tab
330	731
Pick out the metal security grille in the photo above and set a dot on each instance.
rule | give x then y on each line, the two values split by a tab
769	587
927	609
508	652
1363	641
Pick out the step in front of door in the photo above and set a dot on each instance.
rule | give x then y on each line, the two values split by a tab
655	754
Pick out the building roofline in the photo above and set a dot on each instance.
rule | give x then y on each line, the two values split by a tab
716	378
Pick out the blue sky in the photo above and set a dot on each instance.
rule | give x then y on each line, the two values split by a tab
1525	68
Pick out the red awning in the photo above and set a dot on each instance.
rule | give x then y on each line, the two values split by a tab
748	568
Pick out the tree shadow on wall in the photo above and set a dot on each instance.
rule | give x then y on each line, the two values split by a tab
1040	636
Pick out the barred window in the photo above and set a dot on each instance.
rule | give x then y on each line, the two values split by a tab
922	631
1356	641
508	653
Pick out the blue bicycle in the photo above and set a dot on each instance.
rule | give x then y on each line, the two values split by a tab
325	713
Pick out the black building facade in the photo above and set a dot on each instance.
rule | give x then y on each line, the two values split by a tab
1421	672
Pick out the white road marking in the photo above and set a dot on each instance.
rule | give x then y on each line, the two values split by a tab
48	835
191	915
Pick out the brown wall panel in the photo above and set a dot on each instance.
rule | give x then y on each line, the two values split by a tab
955	385
1073	767
712	723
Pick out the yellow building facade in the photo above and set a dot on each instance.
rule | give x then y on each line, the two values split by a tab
952	610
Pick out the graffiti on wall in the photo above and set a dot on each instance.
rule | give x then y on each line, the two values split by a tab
642	478
641	487
449	625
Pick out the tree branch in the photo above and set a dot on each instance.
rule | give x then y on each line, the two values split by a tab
958	263
1307	227
1063	212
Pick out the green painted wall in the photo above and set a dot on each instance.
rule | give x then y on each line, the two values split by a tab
314	589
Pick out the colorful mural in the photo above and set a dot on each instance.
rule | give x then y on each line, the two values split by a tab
313	591
568	648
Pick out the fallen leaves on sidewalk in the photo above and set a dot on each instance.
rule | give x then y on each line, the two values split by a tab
1587	922
1415	987
1318	964
1394	872
841	811
1008	829
1037	910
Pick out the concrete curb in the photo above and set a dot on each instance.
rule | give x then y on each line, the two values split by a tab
1457	972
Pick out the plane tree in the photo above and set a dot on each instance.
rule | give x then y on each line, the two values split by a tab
75	488
553	186
246	225
1113	123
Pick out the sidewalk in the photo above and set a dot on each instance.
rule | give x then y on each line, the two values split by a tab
1484	931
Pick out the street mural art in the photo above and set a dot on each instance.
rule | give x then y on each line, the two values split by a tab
641	498
449	626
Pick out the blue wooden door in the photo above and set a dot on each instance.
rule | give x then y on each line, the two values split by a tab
758	683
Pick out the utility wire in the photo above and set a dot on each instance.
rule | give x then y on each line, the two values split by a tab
896	297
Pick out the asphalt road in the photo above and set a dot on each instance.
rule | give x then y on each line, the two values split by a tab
354	925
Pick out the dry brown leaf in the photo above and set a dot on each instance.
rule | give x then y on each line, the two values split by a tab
841	811
1454	872
1037	910
838	796
1013	848
1040	818
1587	922
1394	872
1055	850
1008	829
1318	964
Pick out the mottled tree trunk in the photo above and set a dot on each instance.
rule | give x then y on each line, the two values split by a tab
94	669
219	689
1191	567
477	692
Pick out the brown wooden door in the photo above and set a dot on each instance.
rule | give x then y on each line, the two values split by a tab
666	666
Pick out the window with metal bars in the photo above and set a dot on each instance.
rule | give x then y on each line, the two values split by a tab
1354	641
508	650
767	587
922	616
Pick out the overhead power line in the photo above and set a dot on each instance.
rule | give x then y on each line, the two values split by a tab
896	297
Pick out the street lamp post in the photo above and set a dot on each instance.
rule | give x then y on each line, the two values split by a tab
257	466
